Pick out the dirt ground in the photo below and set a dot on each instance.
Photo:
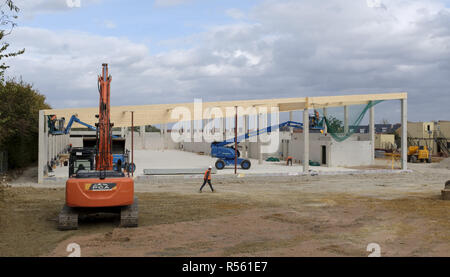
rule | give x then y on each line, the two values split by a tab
296	216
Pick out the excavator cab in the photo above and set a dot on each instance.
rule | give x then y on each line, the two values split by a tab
81	159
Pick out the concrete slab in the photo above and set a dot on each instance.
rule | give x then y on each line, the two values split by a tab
175	160
177	171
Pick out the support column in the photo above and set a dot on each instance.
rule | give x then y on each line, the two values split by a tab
54	147
203	129
246	123
305	140
224	126
325	115
57	146
192	130
291	118
161	136
60	143
42	156
345	119
259	146
404	104
165	137
49	148
67	142
132	141
291	138
372	132
142	135
213	126
236	126
122	132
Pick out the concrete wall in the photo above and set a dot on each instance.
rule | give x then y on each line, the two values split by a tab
420	129
50	146
76	142
384	141
351	152
316	141
56	145
355	151
150	141
196	147
253	151
278	153
444	128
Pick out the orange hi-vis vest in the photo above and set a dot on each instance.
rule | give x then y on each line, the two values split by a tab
207	175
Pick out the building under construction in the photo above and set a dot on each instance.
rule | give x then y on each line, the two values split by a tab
330	149
435	135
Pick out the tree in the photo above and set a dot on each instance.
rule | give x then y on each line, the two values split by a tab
8	13
151	129
334	125
19	102
19	121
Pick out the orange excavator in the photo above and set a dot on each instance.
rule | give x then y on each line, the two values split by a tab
103	190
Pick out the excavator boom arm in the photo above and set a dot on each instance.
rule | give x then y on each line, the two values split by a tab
104	158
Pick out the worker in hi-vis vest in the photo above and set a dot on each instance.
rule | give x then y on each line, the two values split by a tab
289	160
207	178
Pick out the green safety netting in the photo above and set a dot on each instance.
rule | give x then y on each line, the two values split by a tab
335	118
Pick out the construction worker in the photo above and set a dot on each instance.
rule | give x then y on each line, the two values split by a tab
289	161
51	123
207	178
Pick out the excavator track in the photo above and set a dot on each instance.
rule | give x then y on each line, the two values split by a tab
129	215
68	219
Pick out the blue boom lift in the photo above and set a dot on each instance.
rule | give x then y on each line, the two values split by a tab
226	153
65	131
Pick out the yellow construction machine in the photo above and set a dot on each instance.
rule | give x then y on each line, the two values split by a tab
419	153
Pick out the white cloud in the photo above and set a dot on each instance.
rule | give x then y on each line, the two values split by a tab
29	8
168	3
377	4
109	24
235	13
295	48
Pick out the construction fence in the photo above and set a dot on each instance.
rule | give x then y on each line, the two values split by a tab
3	162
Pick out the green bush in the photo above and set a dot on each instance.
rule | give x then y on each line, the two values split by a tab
19	121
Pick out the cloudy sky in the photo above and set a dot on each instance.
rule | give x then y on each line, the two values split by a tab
168	51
